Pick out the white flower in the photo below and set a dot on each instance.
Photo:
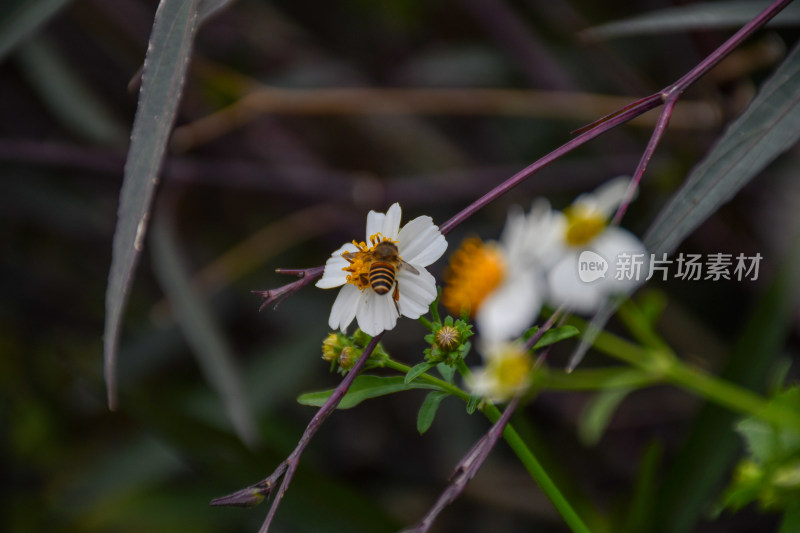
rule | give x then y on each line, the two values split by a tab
506	371
419	243
585	228
501	284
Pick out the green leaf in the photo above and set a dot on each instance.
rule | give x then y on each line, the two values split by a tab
554	335
766	443
472	404
364	388
203	333
71	101
165	67
447	372
417	371
791	519
427	410
692	17
598	412
23	18
769	126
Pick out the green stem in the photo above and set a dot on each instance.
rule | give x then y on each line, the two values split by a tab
538	473
664	365
427	378
427	323
516	443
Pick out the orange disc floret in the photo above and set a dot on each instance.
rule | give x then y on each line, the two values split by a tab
476	269
359	262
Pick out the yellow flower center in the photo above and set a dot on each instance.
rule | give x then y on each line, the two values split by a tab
475	270
360	261
511	370
583	224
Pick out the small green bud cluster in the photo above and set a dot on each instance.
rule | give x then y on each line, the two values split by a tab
448	341
342	351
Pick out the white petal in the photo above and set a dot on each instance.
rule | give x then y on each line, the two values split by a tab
417	291
566	288
333	275
613	242
374	224
607	197
344	308
391	224
514	238
482	383
512	308
376	312
420	242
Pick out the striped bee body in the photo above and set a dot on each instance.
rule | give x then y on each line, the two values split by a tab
384	261
382	277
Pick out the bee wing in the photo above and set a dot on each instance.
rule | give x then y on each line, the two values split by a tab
405	266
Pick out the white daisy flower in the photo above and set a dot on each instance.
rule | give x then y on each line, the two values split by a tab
501	284
506	372
407	289
585	229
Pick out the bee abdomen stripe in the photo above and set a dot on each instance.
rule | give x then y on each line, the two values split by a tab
381	278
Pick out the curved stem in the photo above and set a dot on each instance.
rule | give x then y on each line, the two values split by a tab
525	455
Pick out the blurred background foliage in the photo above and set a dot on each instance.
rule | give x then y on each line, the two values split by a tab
268	168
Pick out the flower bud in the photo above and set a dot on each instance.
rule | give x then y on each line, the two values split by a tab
331	347
447	338
348	357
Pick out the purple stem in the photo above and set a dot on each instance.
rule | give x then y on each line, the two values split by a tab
467	469
291	462
655	138
276	296
541	331
671	94
634	110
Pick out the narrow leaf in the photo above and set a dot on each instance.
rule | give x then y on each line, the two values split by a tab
24	18
417	371
769	126
427	411
203	333
209	8
364	388
597	414
446	371
554	335
692	17
73	103
165	67
472	404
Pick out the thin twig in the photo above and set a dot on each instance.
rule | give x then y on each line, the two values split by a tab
324	412
529	344
255	494
467	469
276	296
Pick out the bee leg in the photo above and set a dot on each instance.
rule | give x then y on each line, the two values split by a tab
396	297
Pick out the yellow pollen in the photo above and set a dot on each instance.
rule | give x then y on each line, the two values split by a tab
583	224
360	261
475	270
512	371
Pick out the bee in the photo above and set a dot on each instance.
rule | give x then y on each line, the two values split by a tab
384	261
